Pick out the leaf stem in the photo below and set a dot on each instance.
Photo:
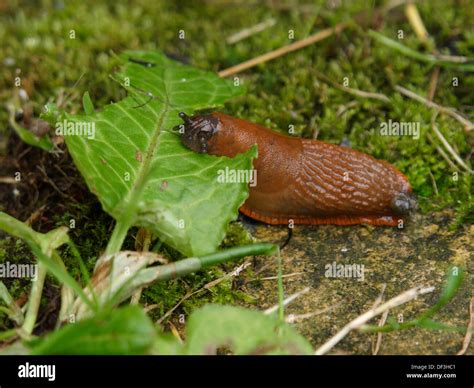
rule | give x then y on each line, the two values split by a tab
35	300
118	236
237	252
5	335
184	267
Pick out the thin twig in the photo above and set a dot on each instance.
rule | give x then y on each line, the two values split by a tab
293	318
355	92
433	182
151	307
382	321
320	35
175	332
448	146
287	301
53	185
367	316
378	337
470	326
8	180
247	32
415	21
433	83
468	126
380	297
207	286
289	275
442	153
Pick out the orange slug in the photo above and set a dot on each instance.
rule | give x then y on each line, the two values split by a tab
305	181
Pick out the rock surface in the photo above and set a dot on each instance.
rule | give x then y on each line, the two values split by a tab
419	254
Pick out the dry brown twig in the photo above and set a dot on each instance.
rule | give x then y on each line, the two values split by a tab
416	22
367	316
320	35
293	318
418	26
448	146
287	301
247	32
468	126
378	342
433	83
8	180
235	272
470	327
354	92
442	153
289	275
378	336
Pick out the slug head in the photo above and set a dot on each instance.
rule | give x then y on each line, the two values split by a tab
404	204
197	131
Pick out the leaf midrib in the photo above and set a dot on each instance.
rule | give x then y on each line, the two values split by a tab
142	175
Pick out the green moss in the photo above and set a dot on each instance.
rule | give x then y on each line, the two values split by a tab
91	232
237	235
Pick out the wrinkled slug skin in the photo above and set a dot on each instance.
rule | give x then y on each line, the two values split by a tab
309	181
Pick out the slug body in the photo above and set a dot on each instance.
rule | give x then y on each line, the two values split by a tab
307	181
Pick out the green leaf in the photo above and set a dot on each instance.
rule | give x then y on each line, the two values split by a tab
242	331
47	242
434	325
167	345
452	283
139	169
27	136
87	104
44	143
124	331
14	311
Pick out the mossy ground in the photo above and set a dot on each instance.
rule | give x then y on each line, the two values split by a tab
36	45
394	261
